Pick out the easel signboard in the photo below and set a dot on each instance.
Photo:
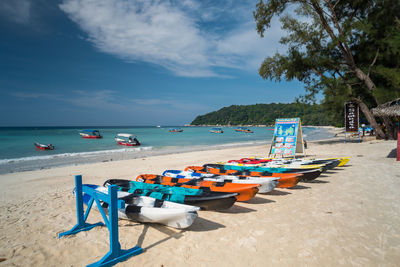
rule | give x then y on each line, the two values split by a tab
351	113
288	138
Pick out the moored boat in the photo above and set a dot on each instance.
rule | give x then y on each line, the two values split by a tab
44	147
149	210
205	199
176	130
91	134
125	139
216	130
243	130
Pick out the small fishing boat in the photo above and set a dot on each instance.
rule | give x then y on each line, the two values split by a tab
243	130
44	147
149	210
91	134
125	139
176	130
203	198
216	130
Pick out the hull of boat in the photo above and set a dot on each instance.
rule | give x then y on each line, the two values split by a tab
127	144
43	147
149	210
87	136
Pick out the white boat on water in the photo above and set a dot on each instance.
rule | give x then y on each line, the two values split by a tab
126	139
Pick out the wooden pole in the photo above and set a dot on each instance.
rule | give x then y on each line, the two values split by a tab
398	140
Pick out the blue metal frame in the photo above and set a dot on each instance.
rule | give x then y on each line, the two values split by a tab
116	254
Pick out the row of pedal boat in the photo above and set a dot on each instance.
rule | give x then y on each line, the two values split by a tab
174	197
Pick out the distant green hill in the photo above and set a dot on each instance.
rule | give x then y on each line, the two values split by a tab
265	114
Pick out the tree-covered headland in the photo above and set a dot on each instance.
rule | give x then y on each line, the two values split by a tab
265	114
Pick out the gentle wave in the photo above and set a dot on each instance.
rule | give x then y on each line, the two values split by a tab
81	154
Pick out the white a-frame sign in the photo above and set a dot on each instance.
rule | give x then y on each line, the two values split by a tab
288	138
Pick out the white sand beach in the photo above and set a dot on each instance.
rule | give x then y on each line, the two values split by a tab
350	216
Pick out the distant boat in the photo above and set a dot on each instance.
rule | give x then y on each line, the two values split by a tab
44	147
175	130
91	134
243	130
158	126
216	130
125	139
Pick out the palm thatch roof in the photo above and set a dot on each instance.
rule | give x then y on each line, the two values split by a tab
388	109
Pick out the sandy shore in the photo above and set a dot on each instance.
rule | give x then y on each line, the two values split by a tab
349	216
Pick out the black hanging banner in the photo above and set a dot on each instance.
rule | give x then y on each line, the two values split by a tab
351	113
351	116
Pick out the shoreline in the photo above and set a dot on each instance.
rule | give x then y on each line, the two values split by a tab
74	159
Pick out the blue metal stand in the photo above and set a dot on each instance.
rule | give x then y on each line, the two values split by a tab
116	254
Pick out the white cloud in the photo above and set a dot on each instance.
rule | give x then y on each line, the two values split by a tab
170	103
29	95
112	101
104	99
190	38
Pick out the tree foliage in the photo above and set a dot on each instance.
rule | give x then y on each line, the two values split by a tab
265	114
348	50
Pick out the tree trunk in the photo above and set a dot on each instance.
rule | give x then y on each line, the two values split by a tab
390	128
364	78
371	119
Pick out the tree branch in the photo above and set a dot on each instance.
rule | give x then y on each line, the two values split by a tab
349	58
337	26
337	2
373	62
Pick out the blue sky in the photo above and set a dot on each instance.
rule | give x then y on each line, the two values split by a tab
120	62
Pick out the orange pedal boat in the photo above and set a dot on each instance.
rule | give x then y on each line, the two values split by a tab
287	180
245	191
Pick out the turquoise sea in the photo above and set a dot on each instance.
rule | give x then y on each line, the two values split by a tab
17	151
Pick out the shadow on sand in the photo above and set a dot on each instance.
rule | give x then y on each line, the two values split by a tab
299	187
169	232
203	225
259	200
278	193
316	182
329	172
200	225
392	154
237	209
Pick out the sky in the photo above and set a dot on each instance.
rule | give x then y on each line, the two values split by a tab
132	62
